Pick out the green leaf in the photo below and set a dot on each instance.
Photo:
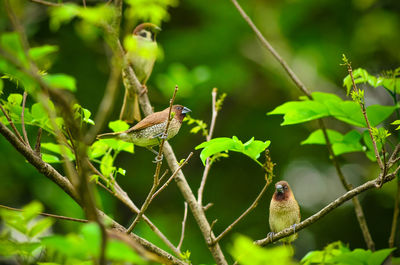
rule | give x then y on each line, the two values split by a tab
118	126
56	148
41	226
341	144
119	251
60	81
379	256
11	43
247	253
119	145
31	210
1	86
92	237
14	99
370	147
325	104
70	245
50	158
40	52
106	165
251	148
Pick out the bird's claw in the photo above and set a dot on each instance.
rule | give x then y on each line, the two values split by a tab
157	159
270	234
144	90
294	227
164	136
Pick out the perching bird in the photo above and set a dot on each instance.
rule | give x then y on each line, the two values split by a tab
284	211
142	60
147	132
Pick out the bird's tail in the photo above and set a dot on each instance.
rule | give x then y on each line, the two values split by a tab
130	111
107	135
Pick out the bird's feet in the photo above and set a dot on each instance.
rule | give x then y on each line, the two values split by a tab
162	136
270	234
144	90
294	227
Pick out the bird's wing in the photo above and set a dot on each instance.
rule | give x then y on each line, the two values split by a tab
150	120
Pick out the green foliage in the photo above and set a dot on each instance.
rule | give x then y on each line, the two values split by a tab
390	81
82	114
100	15
251	148
338	253
246	253
27	224
325	105
154	11
61	81
188	80
86	245
199	125
341	144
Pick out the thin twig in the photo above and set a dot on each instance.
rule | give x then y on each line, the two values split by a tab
159	157
209	137
12	124
248	210
122	196
271	49
331	206
23	119
183	227
172	177
107	103
395	216
48	215
364	112
38	139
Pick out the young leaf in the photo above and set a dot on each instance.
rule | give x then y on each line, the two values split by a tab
341	144
251	148
246	253
41	226
60	81
118	126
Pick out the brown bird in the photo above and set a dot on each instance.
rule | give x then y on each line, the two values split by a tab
284	211
147	132
142	60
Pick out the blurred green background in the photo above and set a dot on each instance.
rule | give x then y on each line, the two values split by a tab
207	44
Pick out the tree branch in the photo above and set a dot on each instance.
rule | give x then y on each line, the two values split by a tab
66	218
156	181
333	205
183	227
23	119
248	210
209	137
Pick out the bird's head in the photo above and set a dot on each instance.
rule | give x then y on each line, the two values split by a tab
180	112
147	31
282	190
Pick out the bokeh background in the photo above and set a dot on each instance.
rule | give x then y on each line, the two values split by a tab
207	44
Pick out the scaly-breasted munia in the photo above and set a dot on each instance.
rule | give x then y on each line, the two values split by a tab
142	60
284	211
147	132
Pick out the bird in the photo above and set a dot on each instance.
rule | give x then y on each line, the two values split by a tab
148	132
284	211
142	60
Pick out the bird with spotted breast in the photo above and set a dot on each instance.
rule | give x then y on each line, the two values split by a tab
142	59
284	211
148	132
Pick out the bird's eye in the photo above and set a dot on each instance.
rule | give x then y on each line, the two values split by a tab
143	34
285	187
179	108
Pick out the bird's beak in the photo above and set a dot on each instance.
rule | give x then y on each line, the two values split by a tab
279	188
157	28
185	110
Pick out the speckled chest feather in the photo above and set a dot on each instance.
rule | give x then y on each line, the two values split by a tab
150	136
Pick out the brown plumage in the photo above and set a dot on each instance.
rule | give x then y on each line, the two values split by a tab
284	211
142	60
148	131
